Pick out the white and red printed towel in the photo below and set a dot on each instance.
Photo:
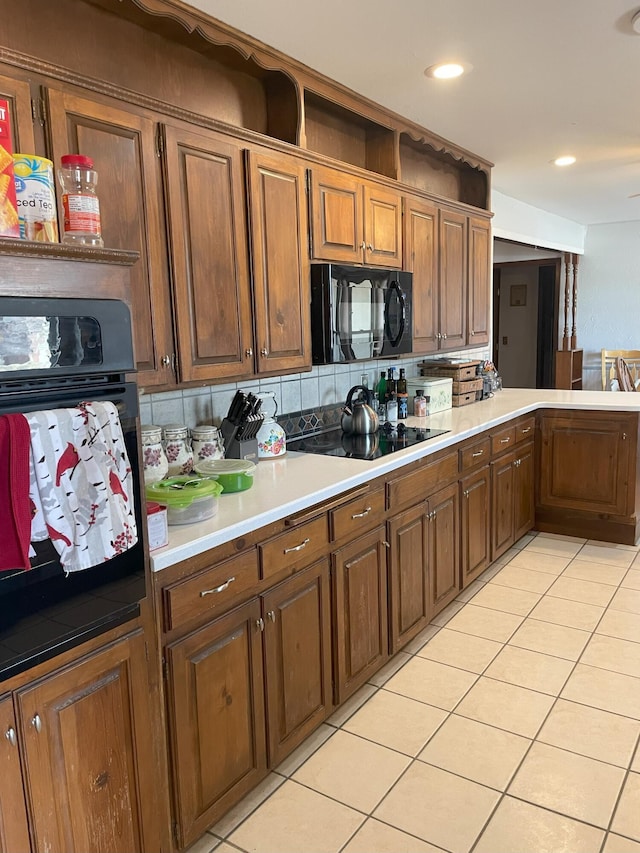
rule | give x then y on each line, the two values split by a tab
82	476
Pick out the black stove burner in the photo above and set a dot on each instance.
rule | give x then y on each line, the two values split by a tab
388	439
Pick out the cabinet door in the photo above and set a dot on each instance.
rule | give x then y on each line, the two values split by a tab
523	491
475	504
297	637
587	462
216	708
421	258
408	536
207	230
336	216
444	566
14	829
88	753
123	147
18	94
281	276
382	227
360	611
502	505
479	297
453	279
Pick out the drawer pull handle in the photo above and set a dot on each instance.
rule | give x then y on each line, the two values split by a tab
10	735
36	722
526	430
299	547
477	453
505	440
220	588
362	514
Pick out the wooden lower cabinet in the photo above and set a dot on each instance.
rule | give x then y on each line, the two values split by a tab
86	743
512	498
215	693
297	654
14	827
444	574
409	594
361	644
475	528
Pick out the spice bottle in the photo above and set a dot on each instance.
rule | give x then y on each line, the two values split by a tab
419	404
403	396
78	180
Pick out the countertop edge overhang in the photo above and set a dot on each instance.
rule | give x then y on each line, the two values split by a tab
297	481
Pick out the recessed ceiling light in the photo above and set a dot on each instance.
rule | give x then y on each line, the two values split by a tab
569	160
446	70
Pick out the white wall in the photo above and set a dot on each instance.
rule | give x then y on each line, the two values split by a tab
515	220
608	309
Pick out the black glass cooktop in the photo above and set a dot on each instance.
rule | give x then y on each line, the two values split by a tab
387	440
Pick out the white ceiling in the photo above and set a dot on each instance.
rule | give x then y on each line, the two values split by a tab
549	77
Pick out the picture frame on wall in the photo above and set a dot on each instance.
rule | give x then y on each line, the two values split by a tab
518	295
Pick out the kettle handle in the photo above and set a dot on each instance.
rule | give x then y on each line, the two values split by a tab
347	405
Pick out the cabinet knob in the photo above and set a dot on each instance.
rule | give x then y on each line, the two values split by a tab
264	352
438	335
220	588
363	245
472	333
271	615
299	547
260	624
466	493
36	722
370	247
386	544
165	361
10	735
624	436
248	352
444	337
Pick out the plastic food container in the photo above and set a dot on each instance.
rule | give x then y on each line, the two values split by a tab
187	498
234	475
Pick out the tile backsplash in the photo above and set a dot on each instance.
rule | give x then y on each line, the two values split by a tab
325	385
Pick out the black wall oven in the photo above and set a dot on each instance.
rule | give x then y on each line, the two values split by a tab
359	313
55	354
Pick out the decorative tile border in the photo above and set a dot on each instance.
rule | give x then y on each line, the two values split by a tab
308	421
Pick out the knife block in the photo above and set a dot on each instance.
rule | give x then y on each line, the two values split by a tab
238	448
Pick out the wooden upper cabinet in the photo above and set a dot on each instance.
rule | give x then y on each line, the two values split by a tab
336	216
421	258
453	279
123	144
205	200
479	296
88	750
281	274
382	227
354	221
14	830
18	94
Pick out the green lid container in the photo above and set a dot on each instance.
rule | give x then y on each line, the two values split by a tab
234	475
187	498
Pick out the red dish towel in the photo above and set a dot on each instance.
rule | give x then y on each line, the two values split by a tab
15	509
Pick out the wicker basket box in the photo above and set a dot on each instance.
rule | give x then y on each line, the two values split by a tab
459	371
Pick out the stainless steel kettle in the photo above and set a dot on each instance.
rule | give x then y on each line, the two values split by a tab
358	418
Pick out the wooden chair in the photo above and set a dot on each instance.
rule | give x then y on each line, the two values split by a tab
630	356
623	375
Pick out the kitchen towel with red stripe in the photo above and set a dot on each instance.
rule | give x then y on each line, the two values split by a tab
82	476
15	512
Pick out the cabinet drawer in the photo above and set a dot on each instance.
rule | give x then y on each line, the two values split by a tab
294	549
418	485
357	516
475	454
212	590
503	440
525	429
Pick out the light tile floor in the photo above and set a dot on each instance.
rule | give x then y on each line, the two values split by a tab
511	725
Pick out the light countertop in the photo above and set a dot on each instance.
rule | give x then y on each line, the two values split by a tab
299	480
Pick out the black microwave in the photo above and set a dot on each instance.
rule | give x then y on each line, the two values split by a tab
359	313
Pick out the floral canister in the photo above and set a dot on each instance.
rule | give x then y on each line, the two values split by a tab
154	460
178	449
272	439
206	442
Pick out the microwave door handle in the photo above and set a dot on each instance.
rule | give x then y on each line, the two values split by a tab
378	314
343	319
403	319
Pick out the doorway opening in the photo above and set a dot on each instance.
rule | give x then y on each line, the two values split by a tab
525	321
